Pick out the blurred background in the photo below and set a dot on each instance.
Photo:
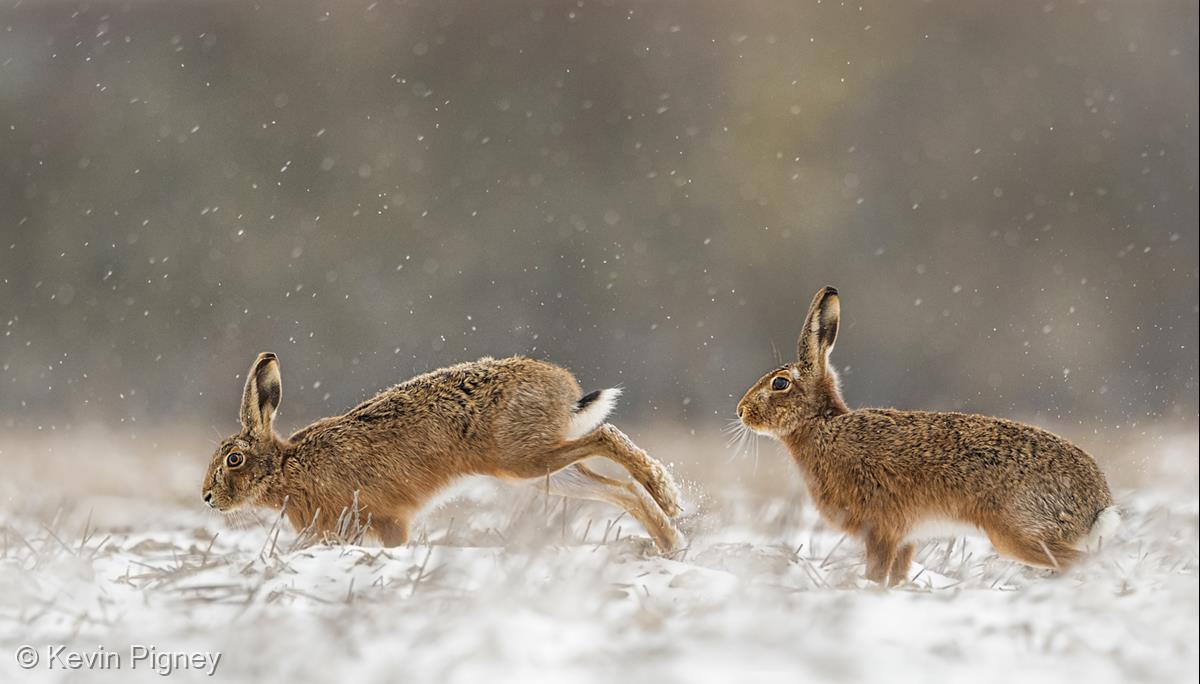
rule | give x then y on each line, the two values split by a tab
647	193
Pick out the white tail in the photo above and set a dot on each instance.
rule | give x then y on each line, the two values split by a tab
1102	530
592	415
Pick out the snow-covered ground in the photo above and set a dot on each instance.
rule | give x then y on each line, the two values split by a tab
503	585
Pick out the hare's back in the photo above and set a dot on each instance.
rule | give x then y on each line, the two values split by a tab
467	394
970	442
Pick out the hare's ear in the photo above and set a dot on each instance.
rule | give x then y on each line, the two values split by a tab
261	397
820	330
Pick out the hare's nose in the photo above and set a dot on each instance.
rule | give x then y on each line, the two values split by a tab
740	411
208	497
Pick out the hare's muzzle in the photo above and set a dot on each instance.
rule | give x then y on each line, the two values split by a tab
208	496
741	408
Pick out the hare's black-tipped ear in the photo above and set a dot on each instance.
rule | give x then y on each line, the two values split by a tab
261	397
820	330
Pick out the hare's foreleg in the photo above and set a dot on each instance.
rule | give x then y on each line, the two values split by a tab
580	482
881	555
611	443
900	566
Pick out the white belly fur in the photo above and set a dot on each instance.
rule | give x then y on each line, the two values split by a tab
935	528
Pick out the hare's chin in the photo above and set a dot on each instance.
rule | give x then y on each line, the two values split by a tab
761	431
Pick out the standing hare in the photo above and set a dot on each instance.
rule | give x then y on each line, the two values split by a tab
516	419
889	477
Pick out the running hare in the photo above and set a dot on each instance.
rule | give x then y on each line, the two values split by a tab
515	418
889	477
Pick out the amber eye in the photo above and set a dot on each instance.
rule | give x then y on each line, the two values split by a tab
235	459
780	383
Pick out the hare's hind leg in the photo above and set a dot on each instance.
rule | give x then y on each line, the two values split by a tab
611	443
580	482
391	531
1054	555
608	442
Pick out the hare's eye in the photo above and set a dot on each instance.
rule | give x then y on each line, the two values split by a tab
780	383
235	459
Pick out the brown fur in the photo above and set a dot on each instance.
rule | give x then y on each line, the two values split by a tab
505	418
877	473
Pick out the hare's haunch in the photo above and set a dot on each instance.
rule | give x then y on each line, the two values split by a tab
885	475
516	418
